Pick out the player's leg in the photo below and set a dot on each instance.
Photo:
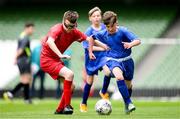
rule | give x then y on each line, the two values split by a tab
84	77
61	105
26	80
58	88
32	92
128	74
25	77
86	91
67	93
10	94
123	88
103	93
129	86
42	78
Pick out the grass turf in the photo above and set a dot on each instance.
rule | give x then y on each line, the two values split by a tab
44	109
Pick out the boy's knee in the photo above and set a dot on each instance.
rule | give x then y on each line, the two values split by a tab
90	79
120	78
70	75
107	72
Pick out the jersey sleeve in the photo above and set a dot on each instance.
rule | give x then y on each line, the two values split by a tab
130	36
98	36
88	32
85	43
54	32
80	36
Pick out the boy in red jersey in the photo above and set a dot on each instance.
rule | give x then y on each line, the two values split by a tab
58	39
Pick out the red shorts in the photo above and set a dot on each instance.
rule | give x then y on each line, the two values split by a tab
51	65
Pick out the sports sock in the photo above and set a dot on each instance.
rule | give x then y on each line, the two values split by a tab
124	91
18	87
105	84
26	91
86	92
67	92
61	103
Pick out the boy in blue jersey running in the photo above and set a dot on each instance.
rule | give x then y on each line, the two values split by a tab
92	66
119	61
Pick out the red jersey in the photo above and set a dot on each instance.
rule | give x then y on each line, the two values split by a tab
49	61
62	39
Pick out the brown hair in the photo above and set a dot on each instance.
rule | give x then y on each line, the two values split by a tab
109	18
28	24
71	16
94	10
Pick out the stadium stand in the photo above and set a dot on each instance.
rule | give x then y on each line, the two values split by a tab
166	73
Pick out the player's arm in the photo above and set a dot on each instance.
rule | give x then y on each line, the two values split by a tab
100	45
96	48
128	45
18	53
54	48
91	44
132	39
21	49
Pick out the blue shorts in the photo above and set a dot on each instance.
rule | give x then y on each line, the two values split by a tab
127	68
92	66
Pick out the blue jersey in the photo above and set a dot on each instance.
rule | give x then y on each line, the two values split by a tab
92	66
114	41
90	31
117	50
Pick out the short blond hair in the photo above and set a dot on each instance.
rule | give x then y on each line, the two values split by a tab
94	10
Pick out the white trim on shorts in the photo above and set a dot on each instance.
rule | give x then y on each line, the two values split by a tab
119	59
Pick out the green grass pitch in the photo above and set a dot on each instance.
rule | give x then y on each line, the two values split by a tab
44	109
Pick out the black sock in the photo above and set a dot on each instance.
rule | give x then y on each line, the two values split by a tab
18	87
130	91
26	91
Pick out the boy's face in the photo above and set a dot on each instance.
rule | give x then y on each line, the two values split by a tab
69	26
95	18
30	30
111	28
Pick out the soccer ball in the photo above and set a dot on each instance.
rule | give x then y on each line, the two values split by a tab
103	107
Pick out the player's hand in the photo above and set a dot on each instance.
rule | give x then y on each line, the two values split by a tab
65	57
127	45
92	56
106	47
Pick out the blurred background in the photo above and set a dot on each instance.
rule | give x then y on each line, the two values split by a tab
156	22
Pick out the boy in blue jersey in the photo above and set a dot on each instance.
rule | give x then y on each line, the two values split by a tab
119	61
92	66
